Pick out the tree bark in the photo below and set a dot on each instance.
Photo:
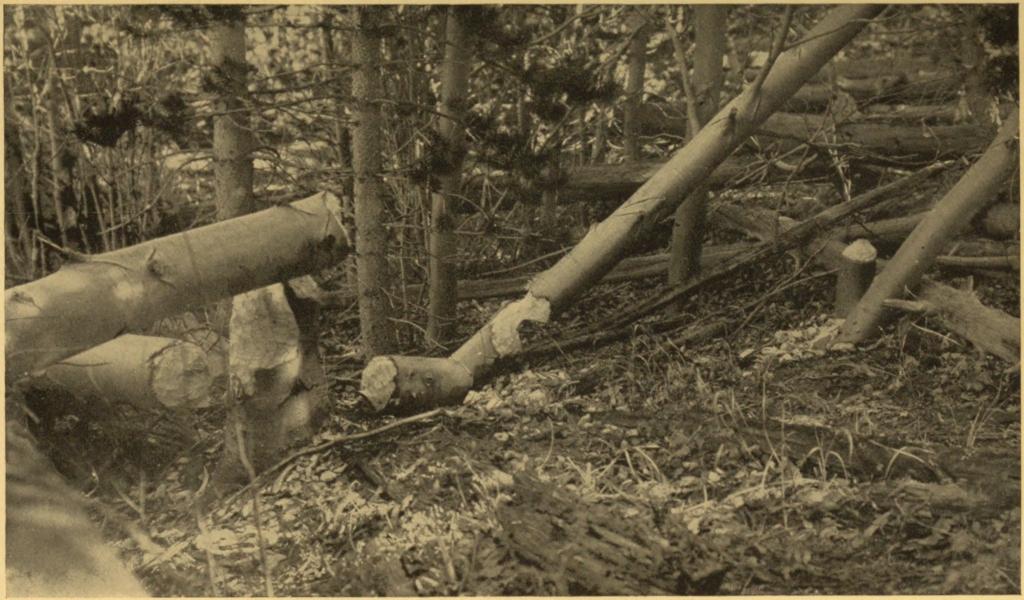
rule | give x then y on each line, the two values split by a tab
146	372
232	141
637	57
974	190
605	245
97	298
342	134
371	231
443	246
708	77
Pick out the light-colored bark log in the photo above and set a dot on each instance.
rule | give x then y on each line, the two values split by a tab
606	243
144	371
93	300
951	214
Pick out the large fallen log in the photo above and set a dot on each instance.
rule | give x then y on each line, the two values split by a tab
144	371
416	381
97	298
890	140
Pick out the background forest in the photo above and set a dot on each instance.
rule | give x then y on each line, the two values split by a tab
679	428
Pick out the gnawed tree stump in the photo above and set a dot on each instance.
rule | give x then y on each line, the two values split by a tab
278	384
587	549
855	275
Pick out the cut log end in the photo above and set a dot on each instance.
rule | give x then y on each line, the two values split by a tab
410	383
379	381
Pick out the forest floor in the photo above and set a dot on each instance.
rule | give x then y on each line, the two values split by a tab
746	463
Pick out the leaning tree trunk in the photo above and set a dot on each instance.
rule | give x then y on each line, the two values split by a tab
975	189
708	77
391	380
443	245
371	231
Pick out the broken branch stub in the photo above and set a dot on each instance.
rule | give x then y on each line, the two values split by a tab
606	244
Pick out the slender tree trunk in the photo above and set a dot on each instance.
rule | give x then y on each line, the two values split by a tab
232	139
443	246
708	76
371	232
341	88
637	57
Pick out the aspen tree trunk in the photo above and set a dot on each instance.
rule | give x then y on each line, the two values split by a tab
232	140
637	57
371	231
395	380
708	77
975	189
443	246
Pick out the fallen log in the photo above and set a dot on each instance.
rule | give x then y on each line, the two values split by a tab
146	372
932	114
987	328
871	137
97	298
607	243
